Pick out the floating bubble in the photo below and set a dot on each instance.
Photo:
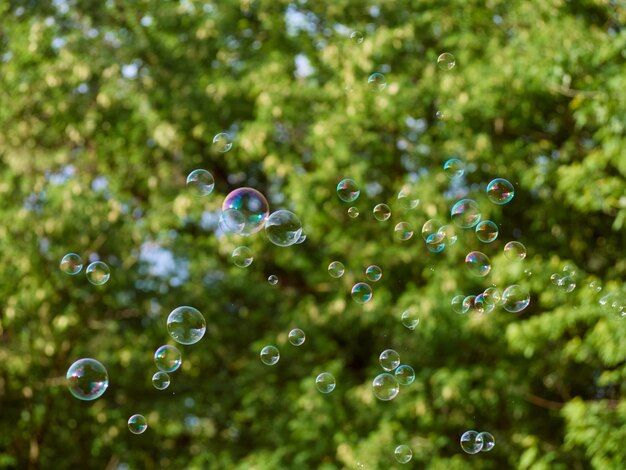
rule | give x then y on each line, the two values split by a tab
270	355
361	293
325	382
515	251
410	319
515	298
405	375
440	115
408	198
200	182
336	269
98	273
595	287
446	61
382	212
186	325
500	191
137	424
252	205
565	283
470	442
357	37
403	231
385	387
478	263
389	360
347	190
272	279
377	82
454	168
403	454
283	228
232	221
457	304
429	228
449	234
480	306
465	213
353	212
492	296
71	264
222	142
468	303
161	380
436	242
374	273
168	358
242	256
297	337
486	231
488	441
87	379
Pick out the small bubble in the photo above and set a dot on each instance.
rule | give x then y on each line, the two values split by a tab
403	454
71	264
347	190
98	273
389	360
272	279
137	424
87	379
385	387
161	380
446	61
595	287
186	325
436	243
222	142
325	382
361	293
515	298
377	82
408	198
403	231
429	228
478	263
514	251
405	375
353	212
252	206
440	115
489	442
500	191
449	234
168	358
297	337
357	37
382	212
283	228
336	269
410	319
486	231
453	168
200	182
492	296
269	355
465	213
458	305
469	303
242	256
470	442
374	273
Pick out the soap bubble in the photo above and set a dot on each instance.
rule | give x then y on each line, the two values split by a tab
465	213
435	242
98	273
489	442
71	264
478	263
446	61
429	228
449	234
403	454
389	360
353	212
470	442
385	387
137	424
186	325
269	355
374	273
297	337
500	191
377	82
325	382
515	251
222	142
405	375
87	379
161	380
480	306
168	358
242	256
453	168
252	205
407	198
357	37
440	115
232	221
200	182
283	228
564	282
403	231
410	319
515	298
361	293
595	287
347	190
492	296
486	231
457	304
468	303
382	212
336	269
272	279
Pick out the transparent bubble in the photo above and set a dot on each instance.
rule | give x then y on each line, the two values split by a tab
515	298
449	234
478	263
242	256
382	212
325	382
357	37
377	82
470	442
408	198
569	270
374	273
353	212
272	279
336	269
465	213
454	168
457	304
385	387
161	380
347	190
200	182
515	251
283	228
492	296
98	273
468	304
488	441
595	287
222	142
405	375
440	115
403	454
480	306
186	325
436	242
87	379
232	221
297	337
270	355
403	231
389	360
500	191
446	61
565	283
168	358
252	205
137	424
429	228
486	231
361	293
71	264
410	319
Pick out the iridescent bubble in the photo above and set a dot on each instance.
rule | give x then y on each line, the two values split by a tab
515	251
270	355
403	231
161	380
408	198
353	212
232	221
468	303
336	269
436	242
186	325
486	231
325	382
374	273
429	228
357	37
272	279
457	304
410	319
403	454
222	142
449	234
465	213
361	293
454	168
446	61
382	212
515	298
405	375
297	337
500	191
480	306
137	424
87	379
565	283
488	441
492	296
242	256
200	182
385	387
377	82
98	273
347	190
470	442
478	263
283	228
389	360
252	205
71	264
168	358
595	287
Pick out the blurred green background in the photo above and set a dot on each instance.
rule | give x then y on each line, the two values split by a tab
106	106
